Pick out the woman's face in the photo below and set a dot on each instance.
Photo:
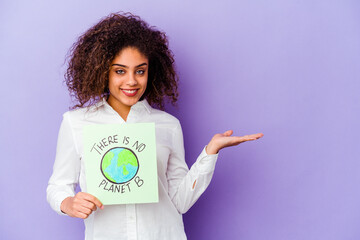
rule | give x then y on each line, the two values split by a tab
127	78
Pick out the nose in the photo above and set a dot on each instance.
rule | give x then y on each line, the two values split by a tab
132	80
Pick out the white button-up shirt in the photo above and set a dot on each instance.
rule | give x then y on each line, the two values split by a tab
179	187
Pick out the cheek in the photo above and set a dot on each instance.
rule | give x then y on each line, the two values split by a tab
113	85
114	81
144	82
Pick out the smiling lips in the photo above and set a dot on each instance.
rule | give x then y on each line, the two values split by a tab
130	92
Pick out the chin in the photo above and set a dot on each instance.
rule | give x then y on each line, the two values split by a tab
131	102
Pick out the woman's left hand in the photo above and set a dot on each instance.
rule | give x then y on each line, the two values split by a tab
222	140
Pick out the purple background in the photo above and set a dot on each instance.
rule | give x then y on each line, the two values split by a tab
289	69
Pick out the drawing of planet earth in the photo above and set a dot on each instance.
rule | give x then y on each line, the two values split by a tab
119	165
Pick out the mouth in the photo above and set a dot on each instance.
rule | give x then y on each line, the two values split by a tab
130	92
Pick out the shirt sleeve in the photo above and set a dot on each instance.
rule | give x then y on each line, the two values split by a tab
64	178
186	186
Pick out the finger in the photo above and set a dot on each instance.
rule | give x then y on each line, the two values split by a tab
81	215
255	136
89	205
248	137
84	210
238	140
228	133
94	200
251	136
87	200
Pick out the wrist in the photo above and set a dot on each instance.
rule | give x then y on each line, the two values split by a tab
64	204
209	149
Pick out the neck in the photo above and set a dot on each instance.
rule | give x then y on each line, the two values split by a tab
121	109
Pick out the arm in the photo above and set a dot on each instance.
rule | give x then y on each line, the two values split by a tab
66	167
61	187
185	187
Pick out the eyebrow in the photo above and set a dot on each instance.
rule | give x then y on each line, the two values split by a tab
124	66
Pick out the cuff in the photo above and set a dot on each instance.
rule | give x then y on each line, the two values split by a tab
60	198
205	162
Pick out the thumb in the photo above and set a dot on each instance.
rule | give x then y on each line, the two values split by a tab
228	133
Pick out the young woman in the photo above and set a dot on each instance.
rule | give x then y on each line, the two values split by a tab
117	71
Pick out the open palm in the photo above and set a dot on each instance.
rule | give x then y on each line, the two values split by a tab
222	140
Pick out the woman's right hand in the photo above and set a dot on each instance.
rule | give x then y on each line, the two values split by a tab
81	205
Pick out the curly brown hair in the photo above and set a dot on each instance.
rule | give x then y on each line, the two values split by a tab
87	76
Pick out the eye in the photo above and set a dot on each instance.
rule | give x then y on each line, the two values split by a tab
120	71
140	72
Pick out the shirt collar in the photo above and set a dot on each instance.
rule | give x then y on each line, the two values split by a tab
142	105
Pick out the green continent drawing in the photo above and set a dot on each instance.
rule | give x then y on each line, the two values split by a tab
119	165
